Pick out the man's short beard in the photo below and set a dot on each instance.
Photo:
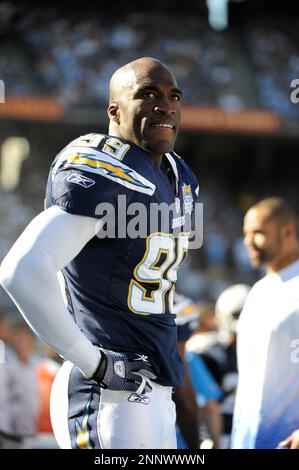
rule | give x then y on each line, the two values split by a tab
264	258
257	262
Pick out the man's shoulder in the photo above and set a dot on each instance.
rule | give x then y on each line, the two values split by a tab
256	293
105	143
104	159
90	148
262	283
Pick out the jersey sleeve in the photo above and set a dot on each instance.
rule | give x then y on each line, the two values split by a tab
92	171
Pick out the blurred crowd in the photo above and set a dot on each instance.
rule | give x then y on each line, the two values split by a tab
72	55
27	370
274	53
208	333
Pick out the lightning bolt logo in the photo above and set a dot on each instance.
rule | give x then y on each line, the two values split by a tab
82	429
112	170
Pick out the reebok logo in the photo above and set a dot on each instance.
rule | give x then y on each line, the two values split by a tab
135	398
119	368
81	180
141	357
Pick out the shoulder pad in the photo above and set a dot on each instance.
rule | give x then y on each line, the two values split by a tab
102	155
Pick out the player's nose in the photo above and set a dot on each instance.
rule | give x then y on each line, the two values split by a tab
165	106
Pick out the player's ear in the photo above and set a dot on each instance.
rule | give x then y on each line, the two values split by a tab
113	112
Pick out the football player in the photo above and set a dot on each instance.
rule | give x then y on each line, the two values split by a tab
117	333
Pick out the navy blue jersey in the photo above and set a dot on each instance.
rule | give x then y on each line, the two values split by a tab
119	287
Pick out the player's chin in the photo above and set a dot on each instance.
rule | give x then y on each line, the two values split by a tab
160	146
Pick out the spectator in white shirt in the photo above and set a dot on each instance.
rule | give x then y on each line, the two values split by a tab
266	412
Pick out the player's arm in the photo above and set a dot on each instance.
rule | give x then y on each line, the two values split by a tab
186	406
29	275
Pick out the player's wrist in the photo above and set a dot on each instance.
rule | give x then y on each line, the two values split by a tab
124	371
101	370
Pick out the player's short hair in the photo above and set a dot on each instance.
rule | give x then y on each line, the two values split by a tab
280	209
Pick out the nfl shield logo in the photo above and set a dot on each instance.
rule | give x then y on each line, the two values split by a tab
188	199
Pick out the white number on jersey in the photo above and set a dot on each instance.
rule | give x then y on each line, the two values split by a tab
163	256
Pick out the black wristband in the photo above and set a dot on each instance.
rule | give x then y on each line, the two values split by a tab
101	370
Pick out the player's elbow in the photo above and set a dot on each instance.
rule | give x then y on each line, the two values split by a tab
21	273
6	273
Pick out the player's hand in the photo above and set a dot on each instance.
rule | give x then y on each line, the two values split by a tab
292	442
124	371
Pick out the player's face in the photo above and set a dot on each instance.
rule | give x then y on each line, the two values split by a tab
262	237
150	111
